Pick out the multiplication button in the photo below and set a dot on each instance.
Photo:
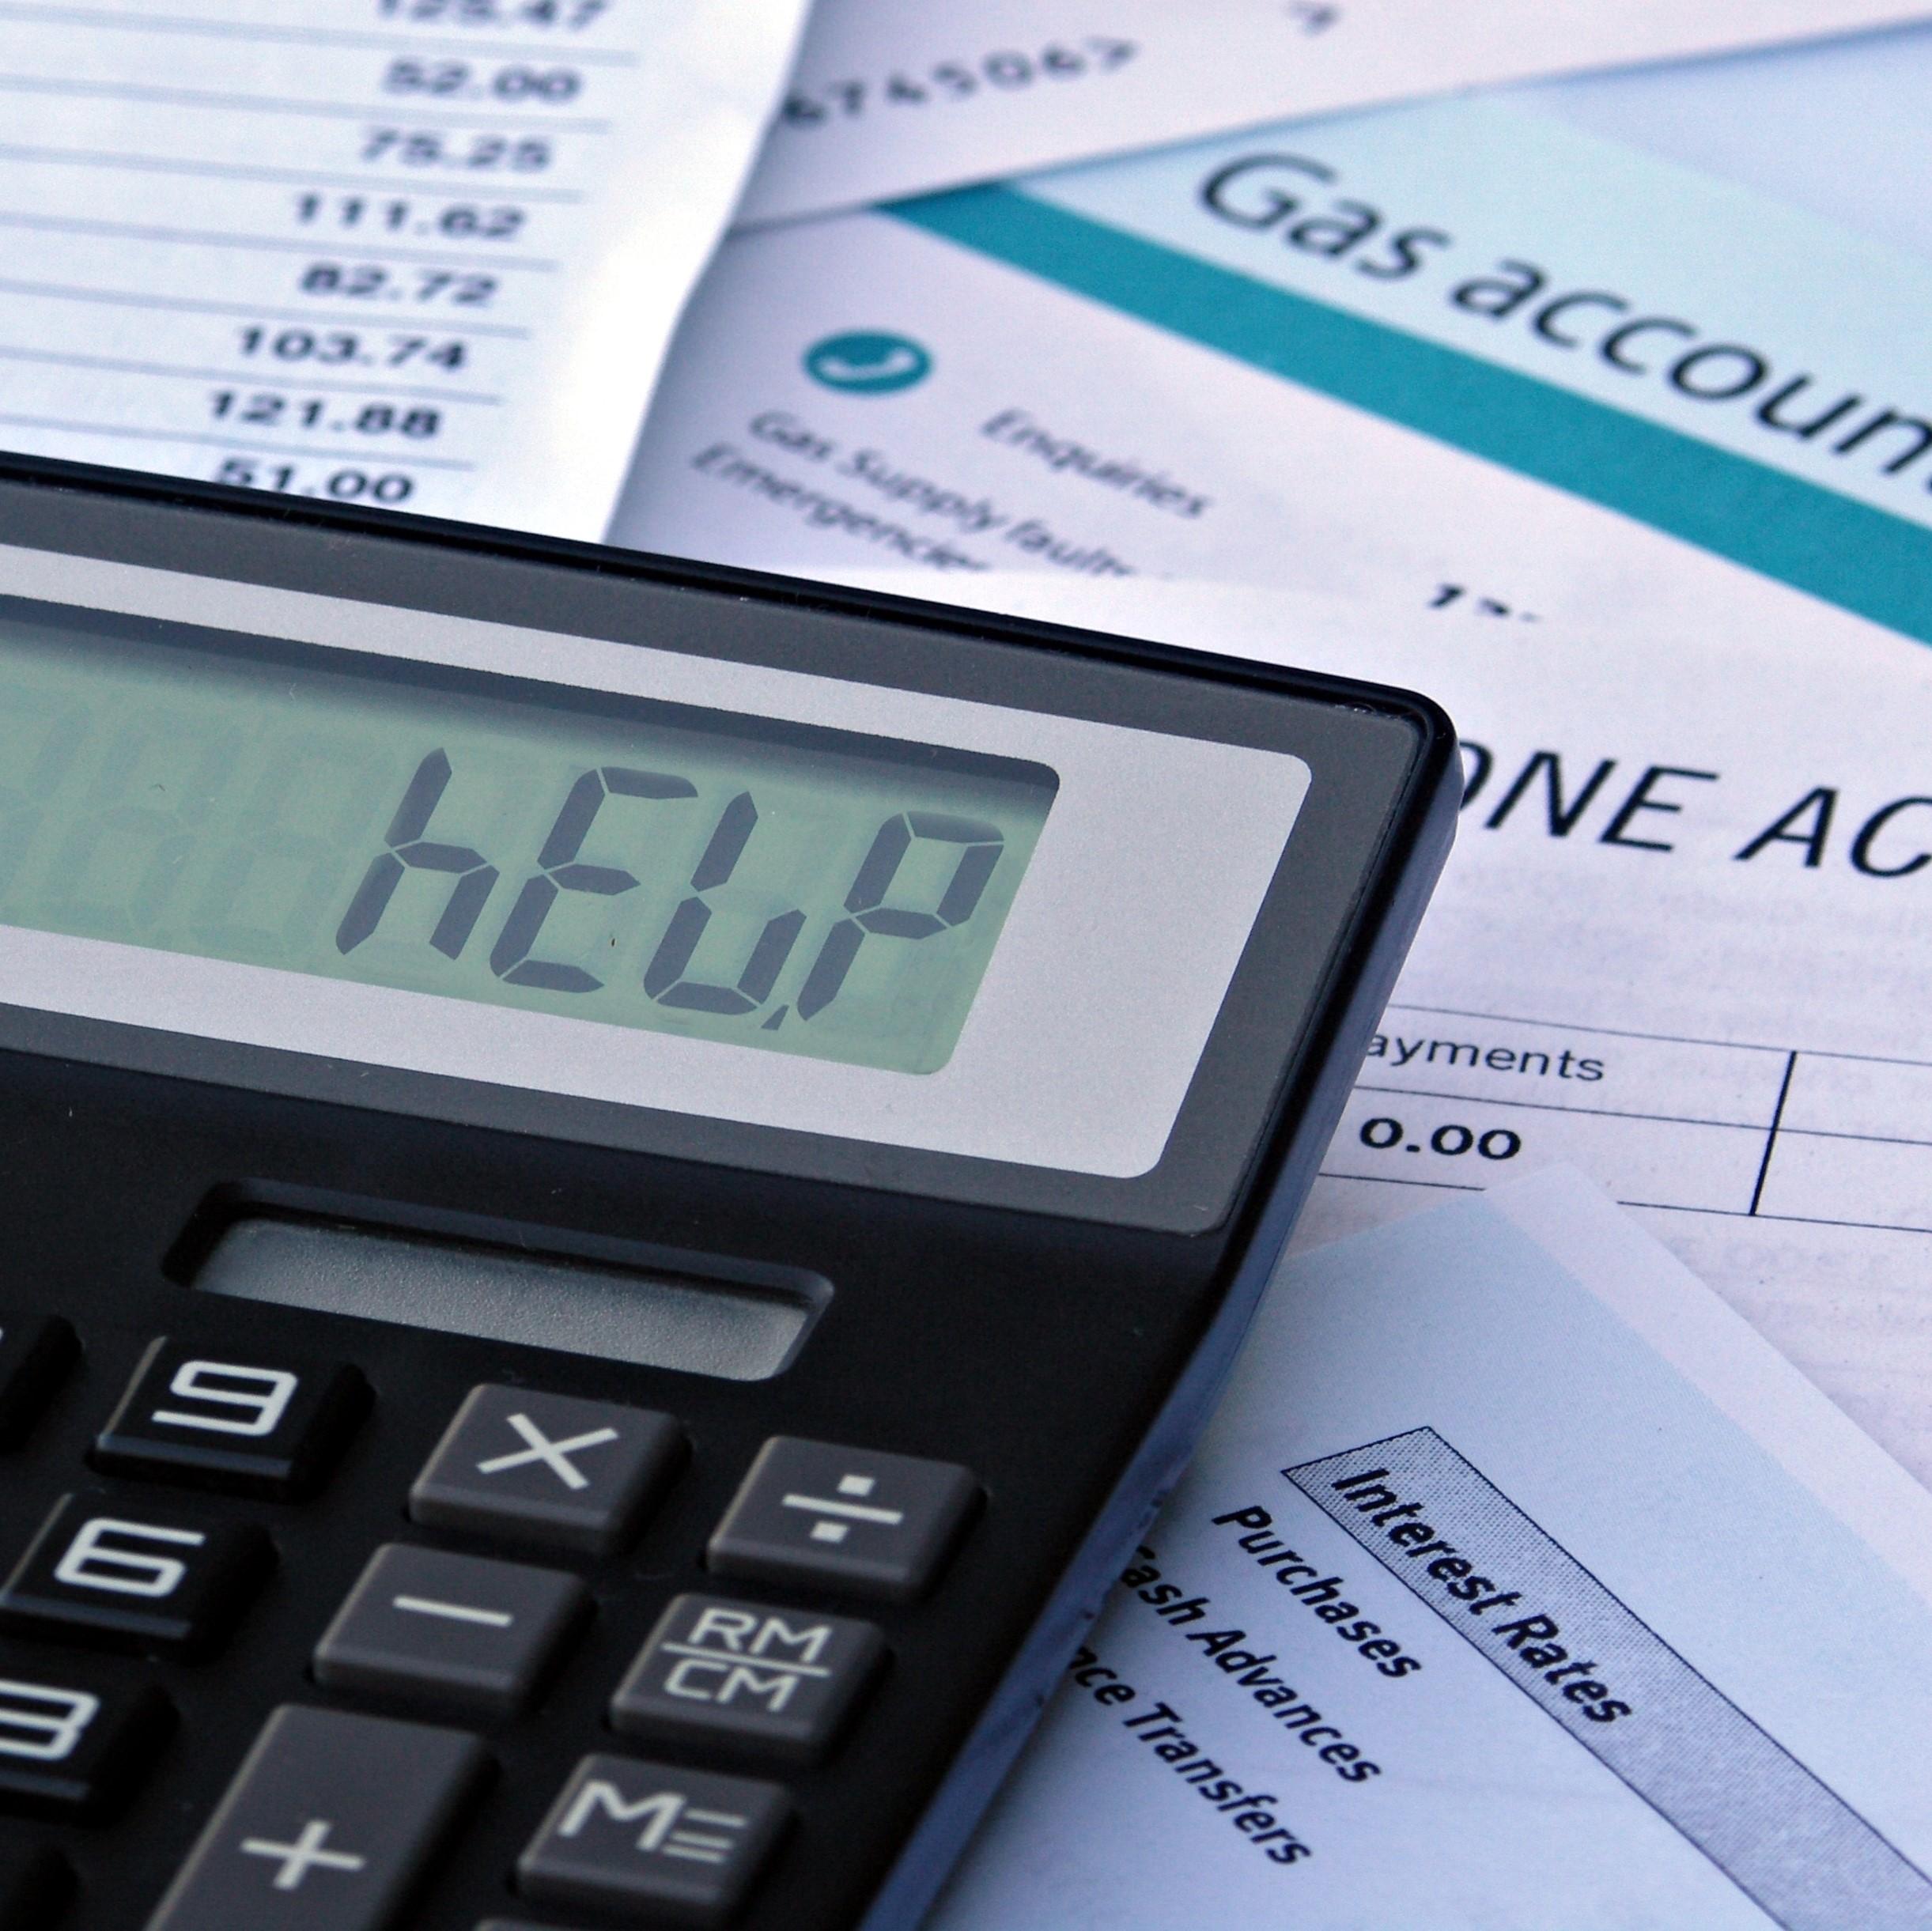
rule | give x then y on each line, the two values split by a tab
329	1826
782	1682
645	1839
852	1519
547	1468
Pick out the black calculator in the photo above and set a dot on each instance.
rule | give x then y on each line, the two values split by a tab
623	1184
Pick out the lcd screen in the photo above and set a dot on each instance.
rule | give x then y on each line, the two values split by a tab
783	885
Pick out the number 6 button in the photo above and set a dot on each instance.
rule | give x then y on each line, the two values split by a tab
174	1586
271	1428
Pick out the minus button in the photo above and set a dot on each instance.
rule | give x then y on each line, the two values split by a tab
455	1612
461	1631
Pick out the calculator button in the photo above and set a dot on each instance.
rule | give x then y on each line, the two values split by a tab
268	1428
645	1839
73	1747
779	1681
845	1519
456	1628
37	1351
34	1885
547	1468
329	1826
162	1582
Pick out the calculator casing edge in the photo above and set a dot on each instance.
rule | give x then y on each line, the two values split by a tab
1144	1486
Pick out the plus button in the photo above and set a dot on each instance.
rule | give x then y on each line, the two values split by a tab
278	1850
307	1854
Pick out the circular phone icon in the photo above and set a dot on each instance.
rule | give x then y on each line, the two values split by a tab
867	362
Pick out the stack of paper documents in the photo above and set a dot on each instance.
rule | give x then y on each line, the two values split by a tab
1600	410
422	255
1519	1583
1557	1562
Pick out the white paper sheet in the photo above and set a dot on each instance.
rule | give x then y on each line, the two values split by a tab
1038	429
896	97
1632	1626
425	254
1833	126
1732	1039
1358	370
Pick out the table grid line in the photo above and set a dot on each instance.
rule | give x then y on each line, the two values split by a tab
1826	1187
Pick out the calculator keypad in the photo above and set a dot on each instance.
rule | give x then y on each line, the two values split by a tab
778	1681
461	1629
159	1581
74	1745
328	1825
271	1428
548	1469
335	1818
846	1520
648	1838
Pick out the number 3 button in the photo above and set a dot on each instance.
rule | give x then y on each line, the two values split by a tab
75	1748
248	1427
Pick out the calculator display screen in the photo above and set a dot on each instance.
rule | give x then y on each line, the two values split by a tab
780	885
437	862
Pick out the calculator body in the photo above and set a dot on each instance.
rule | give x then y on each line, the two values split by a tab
986	1357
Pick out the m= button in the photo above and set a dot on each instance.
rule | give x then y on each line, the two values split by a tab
547	1468
647	1840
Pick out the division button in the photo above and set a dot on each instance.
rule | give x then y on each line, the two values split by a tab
547	1468
851	1520
269	1428
34	1885
74	1745
777	1681
36	1351
330	1825
645	1839
456	1629
159	1581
